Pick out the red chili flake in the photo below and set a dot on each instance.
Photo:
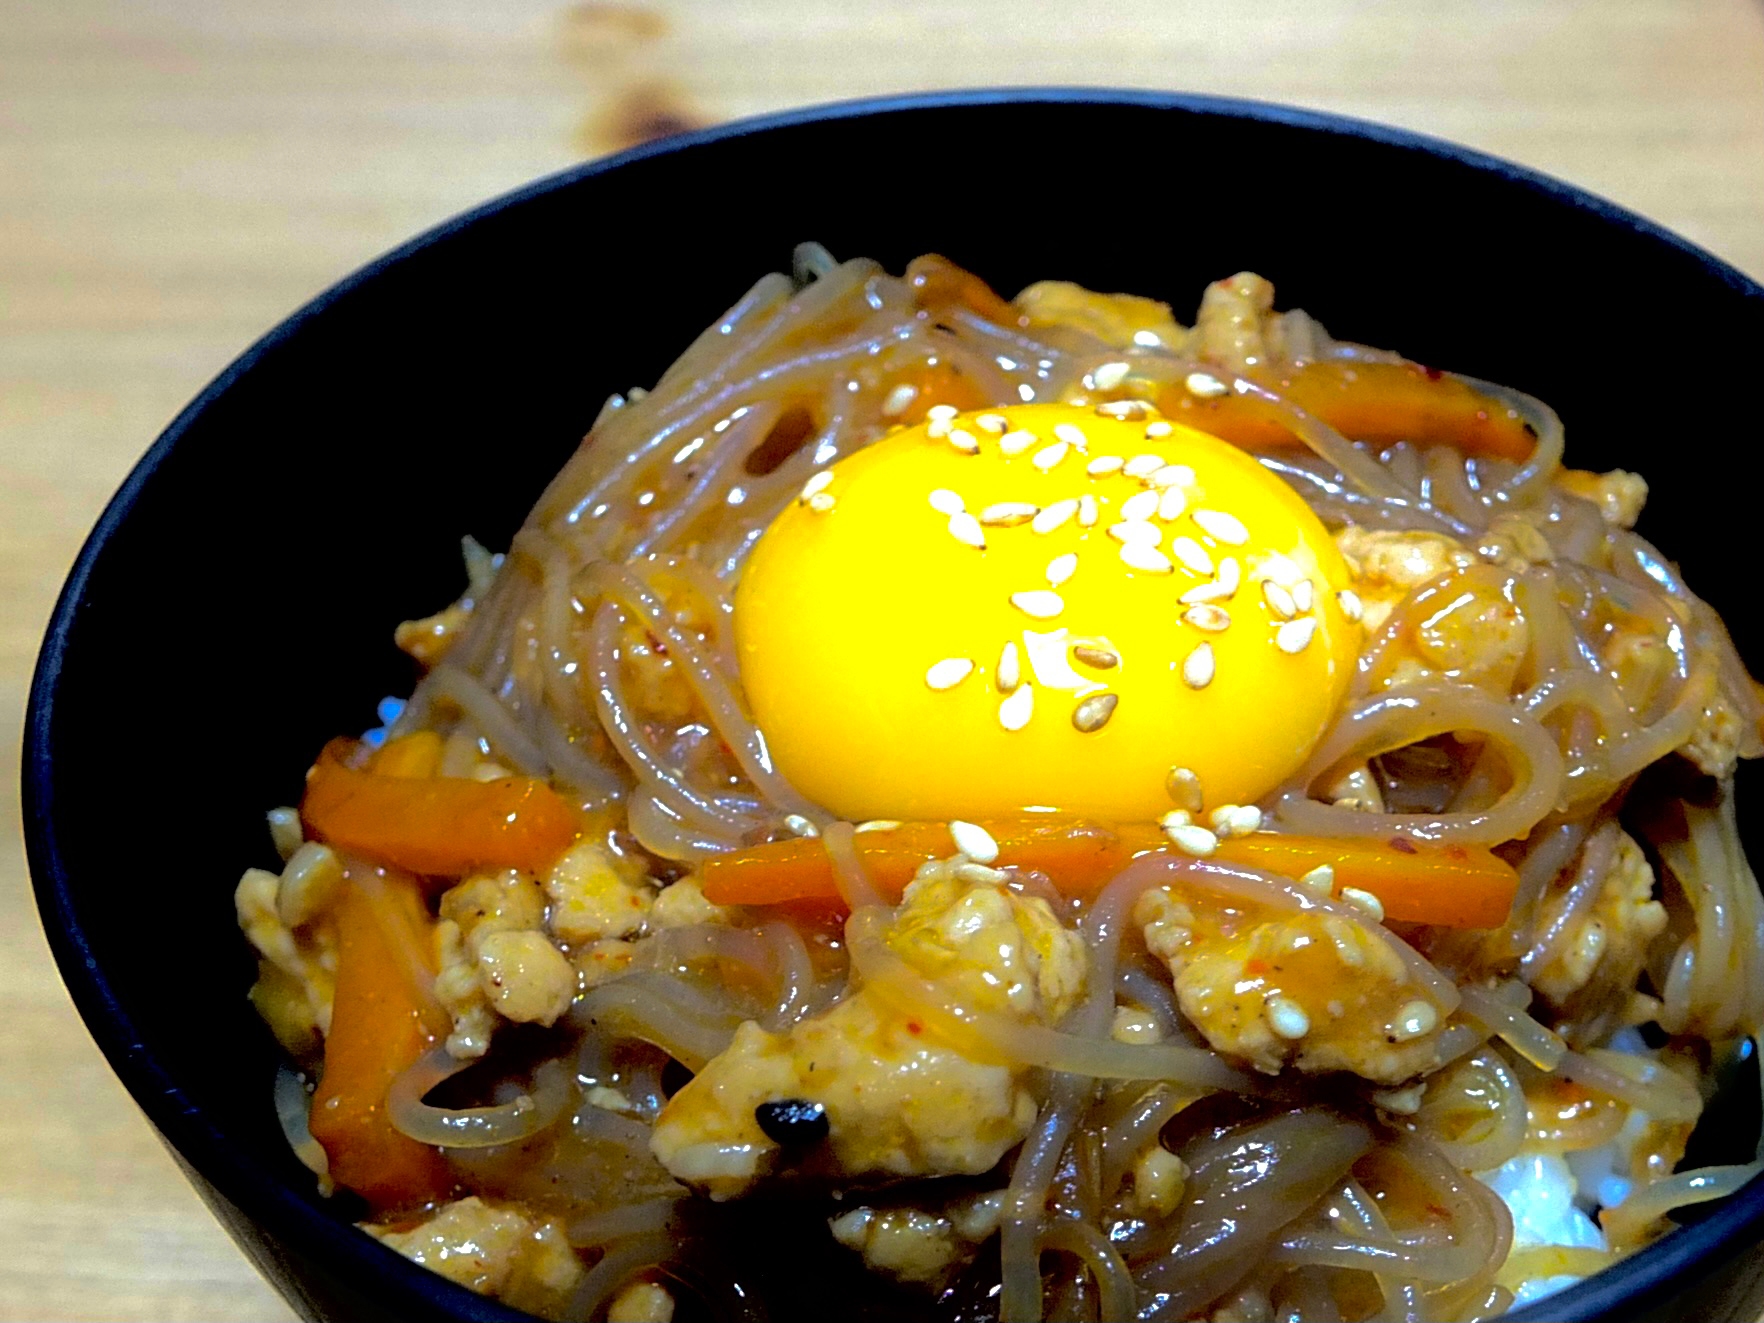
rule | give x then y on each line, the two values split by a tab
914	1027
1403	845
1255	966
1431	373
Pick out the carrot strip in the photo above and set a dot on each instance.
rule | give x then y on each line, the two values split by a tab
383	1018
416	755
1379	403
445	826
1452	886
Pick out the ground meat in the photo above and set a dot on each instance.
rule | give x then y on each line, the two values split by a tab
497	1252
1119	320
1618	494
922	1245
1388	565
1600	958
596	894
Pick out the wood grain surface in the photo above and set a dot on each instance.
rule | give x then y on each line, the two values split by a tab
174	177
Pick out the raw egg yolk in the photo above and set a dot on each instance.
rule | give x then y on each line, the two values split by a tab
1042	608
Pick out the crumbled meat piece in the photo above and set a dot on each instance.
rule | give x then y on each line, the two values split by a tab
1233	321
494	959
525	977
641	1302
1119	320
1608	945
918	1244
505	900
602	960
1715	745
1159	1177
287	919
461	994
429	638
595	894
497	1252
682	903
1387	565
1619	494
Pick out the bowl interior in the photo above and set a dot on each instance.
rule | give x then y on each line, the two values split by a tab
235	607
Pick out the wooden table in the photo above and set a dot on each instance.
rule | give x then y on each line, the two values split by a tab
175	176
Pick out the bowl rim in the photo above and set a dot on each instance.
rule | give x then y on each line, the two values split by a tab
247	1183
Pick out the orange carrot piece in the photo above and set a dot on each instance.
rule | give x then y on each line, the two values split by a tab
1452	886
415	755
383	1019
1379	403
445	826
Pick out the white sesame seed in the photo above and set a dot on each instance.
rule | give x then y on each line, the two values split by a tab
1192	554
1171	475
1415	1019
1048	456
1087	511
949	672
974	841
992	422
1171	504
1304	594
899	400
1140	556
1198	667
946	502
1015	711
1042	603
1009	673
879	824
821	502
1351	606
1287	1018
1320	879
1282	569
1175	818
1143	466
1222	525
1197	841
1136	530
1295	635
819	483
1213	619
1101	658
963	527
1140	505
941	413
937	428
1211	591
1110	375
1094	712
1054	515
1061	568
1015	443
1073	435
1205	386
1279	600
1230	574
964	440
1364	901
1184	789
1007	513
1246	821
1221	818
1103	464
1124	409
1158	428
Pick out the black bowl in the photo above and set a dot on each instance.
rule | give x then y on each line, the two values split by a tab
232	609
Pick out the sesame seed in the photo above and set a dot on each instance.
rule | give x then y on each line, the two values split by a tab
1213	619
1205	386
1320	879
964	441
1143	466
1279	600
1304	594
1198	667
819	483
937	428
1125	410
899	400
1054	515
963	527
1295	635
1008	513
1192	554
1351	606
1364	901
1184	789
941	413
1171	475
1104	464
1015	443
1230	574
1136	530
1175	818
1158	428
1211	591
974	841
1087	511
1141	505
821	502
1073	435
1171	504
992	422
1015	711
1041	603
1246	821
1009	673
949	672
1101	658
1141	556
1110	375
1197	841
1094	712
800	825
1061	568
1415	1019
1048	456
1222	525
879	824
1287	1018
946	502
1221	818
